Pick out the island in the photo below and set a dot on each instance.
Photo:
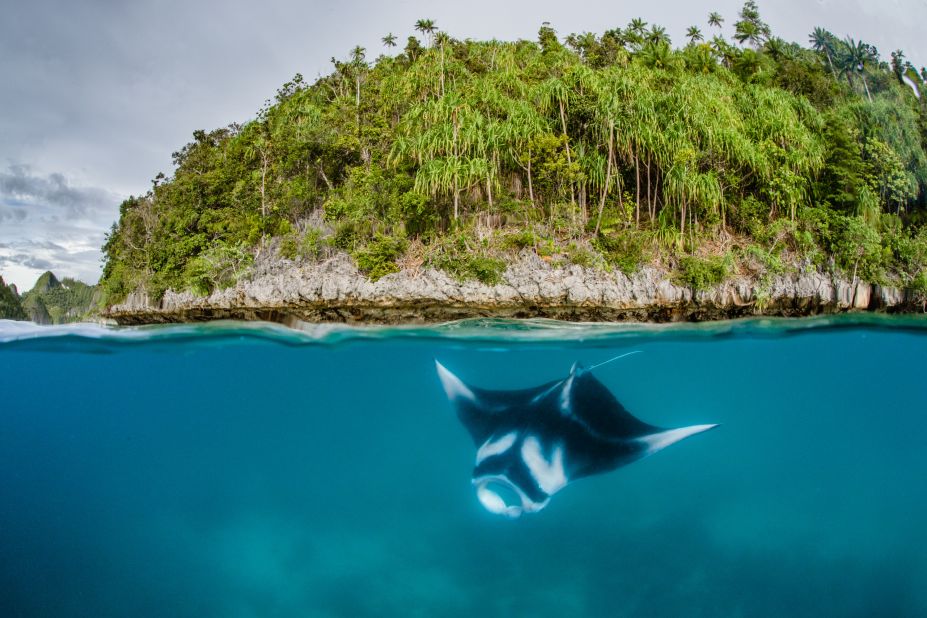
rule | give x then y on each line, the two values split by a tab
590	176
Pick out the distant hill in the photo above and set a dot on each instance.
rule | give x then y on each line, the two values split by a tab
10	306
50	301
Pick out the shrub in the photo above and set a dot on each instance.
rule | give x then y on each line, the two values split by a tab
216	268
455	257
703	273
858	249
378	258
625	250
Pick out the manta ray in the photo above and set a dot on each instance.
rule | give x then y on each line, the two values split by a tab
531	443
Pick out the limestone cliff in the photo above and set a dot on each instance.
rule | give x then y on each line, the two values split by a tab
334	291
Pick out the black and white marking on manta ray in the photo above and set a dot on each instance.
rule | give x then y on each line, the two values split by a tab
531	443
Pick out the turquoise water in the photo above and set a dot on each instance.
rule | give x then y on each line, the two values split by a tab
247	470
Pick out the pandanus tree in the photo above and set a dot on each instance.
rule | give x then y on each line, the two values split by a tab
555	93
441	135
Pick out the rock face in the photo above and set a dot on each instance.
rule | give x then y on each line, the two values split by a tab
334	291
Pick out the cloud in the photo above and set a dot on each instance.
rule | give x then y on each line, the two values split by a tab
51	223
20	188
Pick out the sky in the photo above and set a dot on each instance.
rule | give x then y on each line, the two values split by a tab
95	95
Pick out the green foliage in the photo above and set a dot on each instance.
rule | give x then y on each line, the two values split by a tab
703	273
582	256
858	248
616	141
308	245
625	250
378	258
51	301
10	306
456	256
218	267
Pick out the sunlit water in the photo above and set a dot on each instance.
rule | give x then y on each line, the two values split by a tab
238	470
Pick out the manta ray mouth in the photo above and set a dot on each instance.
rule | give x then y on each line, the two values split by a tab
501	496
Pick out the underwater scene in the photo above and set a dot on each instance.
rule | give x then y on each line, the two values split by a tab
480	468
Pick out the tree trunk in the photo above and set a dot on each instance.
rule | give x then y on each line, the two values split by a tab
682	221
608	176
637	187
530	183
569	160
650	204
264	161
357	105
442	69
831	63
866	85
456	163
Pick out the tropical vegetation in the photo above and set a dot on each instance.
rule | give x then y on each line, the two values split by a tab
608	150
10	306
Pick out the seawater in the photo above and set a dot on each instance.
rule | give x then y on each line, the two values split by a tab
248	470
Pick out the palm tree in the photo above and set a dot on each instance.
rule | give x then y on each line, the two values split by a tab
657	55
694	34
750	27
822	41
442	39
748	31
637	26
715	20
898	64
389	40
658	35
858	54
426	27
358	64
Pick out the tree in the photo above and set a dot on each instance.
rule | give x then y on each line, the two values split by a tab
426	27
658	35
715	20
359	67
694	34
638	26
898	64
441	40
389	40
822	41
858	54
751	28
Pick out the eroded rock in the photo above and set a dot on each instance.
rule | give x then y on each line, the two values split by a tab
335	290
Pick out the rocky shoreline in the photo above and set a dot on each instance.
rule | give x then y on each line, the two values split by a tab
335	291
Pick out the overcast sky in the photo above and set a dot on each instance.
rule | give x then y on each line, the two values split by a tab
96	94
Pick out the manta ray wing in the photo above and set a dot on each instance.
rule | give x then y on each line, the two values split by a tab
486	412
587	401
